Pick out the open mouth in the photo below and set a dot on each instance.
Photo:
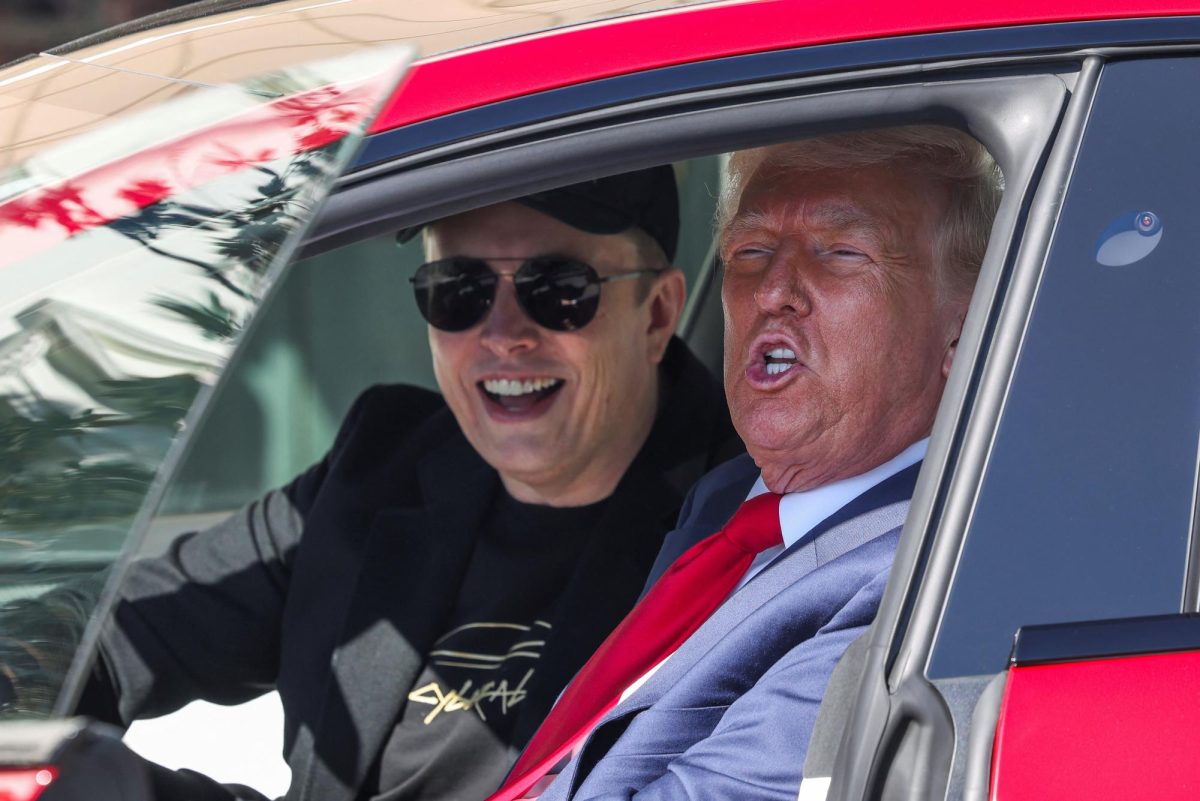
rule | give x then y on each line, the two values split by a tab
779	360
774	365
519	395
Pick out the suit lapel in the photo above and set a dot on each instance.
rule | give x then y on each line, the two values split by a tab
716	510
743	603
894	489
875	512
410	573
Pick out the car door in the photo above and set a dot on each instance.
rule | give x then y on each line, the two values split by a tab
132	260
1068	511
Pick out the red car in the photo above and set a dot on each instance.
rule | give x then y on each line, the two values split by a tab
145	216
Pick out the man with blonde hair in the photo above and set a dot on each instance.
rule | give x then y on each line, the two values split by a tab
849	263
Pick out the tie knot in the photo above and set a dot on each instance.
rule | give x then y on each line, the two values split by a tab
754	526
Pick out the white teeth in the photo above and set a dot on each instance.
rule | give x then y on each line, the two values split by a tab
512	387
779	360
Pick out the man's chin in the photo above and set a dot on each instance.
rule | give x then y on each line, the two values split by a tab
773	430
523	457
785	478
788	463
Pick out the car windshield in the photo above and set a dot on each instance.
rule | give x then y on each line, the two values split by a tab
131	260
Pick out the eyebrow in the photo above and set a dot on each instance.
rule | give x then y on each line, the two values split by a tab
839	216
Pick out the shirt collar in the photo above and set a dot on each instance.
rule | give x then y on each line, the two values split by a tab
800	511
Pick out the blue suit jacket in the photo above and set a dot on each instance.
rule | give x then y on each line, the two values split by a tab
729	715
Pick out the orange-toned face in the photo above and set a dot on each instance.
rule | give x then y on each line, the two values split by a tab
560	414
836	344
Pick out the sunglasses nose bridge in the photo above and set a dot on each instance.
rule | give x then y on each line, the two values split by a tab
507	326
517	292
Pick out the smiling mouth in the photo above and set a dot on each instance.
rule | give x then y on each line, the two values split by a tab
519	395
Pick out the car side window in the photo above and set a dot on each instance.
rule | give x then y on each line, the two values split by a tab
1085	508
341	321
127	282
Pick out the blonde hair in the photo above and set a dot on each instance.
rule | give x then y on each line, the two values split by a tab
946	155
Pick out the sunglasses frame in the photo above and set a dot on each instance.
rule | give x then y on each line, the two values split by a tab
592	277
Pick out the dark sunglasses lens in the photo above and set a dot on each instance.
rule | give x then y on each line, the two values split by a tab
559	294
454	294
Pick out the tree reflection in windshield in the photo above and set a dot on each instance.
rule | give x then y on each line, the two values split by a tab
51	451
123	289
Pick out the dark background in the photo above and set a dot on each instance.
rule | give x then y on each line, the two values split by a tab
28	26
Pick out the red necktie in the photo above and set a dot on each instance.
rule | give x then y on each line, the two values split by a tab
680	601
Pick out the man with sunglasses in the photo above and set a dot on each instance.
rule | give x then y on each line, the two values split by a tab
421	596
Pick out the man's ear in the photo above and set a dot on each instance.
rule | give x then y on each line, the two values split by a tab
952	348
665	304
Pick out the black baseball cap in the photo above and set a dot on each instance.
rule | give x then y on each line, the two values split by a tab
646	199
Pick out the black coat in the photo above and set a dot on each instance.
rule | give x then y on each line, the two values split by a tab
333	589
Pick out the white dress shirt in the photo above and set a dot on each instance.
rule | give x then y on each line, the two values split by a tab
800	511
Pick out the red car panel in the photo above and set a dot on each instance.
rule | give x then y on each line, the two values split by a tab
451	82
25	784
1124	727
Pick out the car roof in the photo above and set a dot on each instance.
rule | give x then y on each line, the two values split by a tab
230	40
50	96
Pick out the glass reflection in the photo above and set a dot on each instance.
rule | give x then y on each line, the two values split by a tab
130	262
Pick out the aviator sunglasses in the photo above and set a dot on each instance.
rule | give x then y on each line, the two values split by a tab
557	292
